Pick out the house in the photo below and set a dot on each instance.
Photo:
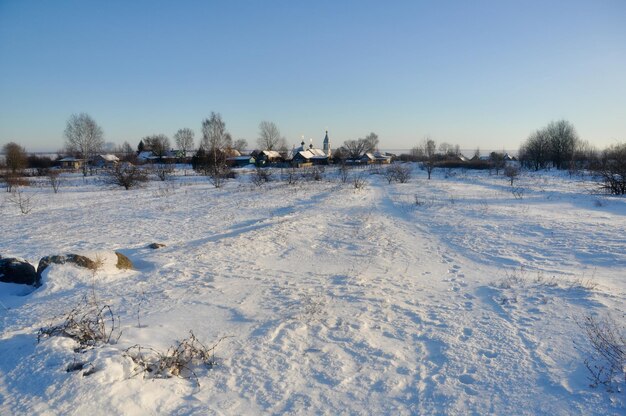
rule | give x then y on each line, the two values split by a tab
70	162
268	156
240	161
105	161
458	158
146	156
375	157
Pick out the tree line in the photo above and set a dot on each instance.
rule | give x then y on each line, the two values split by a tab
557	145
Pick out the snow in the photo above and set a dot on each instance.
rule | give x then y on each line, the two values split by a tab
338	301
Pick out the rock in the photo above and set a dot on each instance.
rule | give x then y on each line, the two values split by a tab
13	270
76	259
154	246
123	262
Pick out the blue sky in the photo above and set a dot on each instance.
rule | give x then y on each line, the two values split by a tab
473	73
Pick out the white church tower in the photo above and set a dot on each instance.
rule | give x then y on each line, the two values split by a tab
327	145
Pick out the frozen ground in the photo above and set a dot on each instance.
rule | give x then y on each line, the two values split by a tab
338	301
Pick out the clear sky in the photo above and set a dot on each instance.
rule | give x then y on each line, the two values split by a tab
473	73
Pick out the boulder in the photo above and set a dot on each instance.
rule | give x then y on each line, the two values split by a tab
77	259
123	262
154	246
14	270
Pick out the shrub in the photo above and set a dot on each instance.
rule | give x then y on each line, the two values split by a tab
177	361
261	176
13	180
612	170
126	175
163	171
511	172
606	357
88	324
22	201
358	181
398	172
54	179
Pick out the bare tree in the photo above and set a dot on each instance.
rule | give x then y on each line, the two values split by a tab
511	172
269	136
54	179
417	153
497	161
372	141
126	175
163	171
184	140
240	145
430	154
125	152
15	157
556	143
535	152
215	141
159	144
83	136
612	170
563	140
355	149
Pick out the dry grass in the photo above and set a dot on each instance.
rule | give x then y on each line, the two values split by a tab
177	361
89	324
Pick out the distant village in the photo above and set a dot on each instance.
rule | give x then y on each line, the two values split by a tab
302	155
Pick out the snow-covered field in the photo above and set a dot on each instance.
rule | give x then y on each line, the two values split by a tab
336	300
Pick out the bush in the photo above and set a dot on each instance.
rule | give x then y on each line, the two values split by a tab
126	175
612	170
511	172
13	180
358	181
606	357
398	172
163	171
261	176
54	179
88	324
177	361
22	201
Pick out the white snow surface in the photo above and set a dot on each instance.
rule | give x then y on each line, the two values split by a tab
336	300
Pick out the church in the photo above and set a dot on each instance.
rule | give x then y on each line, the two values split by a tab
306	156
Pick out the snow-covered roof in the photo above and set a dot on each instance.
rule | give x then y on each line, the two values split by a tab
110	158
246	157
311	154
146	154
375	156
271	153
70	159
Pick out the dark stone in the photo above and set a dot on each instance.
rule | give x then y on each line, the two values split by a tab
154	246
123	262
76	259
19	271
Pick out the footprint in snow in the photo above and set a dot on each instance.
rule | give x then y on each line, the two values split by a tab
467	379
489	353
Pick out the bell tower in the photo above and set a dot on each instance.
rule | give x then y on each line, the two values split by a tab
327	144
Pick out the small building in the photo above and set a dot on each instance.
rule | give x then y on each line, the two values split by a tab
268	156
375	157
240	161
105	161
70	162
